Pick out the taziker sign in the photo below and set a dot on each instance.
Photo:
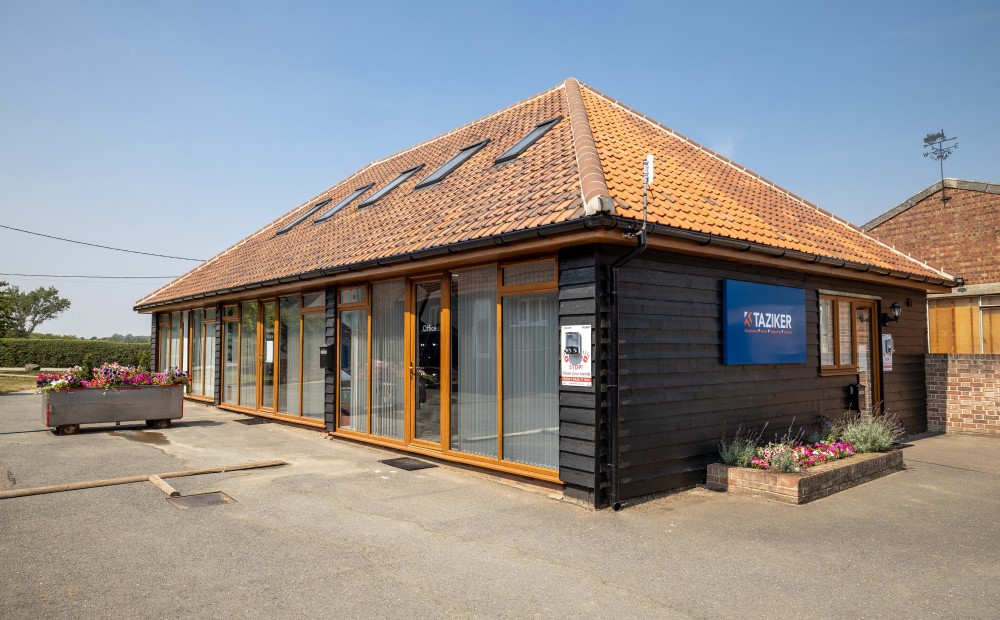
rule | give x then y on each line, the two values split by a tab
763	324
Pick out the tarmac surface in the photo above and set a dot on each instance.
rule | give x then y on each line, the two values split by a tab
336	533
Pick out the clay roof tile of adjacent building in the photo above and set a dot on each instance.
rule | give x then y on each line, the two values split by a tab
588	164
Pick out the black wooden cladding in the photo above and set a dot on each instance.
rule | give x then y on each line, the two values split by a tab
154	335
582	418
330	397
679	399
217	394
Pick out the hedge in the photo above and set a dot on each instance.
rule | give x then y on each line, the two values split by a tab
16	352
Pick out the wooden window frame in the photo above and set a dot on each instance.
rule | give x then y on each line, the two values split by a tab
360	305
205	323
445	452
837	368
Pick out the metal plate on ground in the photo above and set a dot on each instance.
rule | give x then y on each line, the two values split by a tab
408	464
200	500
251	421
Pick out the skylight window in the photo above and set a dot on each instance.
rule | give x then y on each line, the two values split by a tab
391	186
302	217
523	144
452	164
343	203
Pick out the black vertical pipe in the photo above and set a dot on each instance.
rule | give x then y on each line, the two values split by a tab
615	400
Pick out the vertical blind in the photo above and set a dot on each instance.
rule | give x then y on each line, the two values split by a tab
289	312
197	342
387	359
210	357
313	374
530	379
354	370
230	353
248	354
474	361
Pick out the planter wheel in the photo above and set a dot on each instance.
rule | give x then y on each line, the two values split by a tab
68	429
158	424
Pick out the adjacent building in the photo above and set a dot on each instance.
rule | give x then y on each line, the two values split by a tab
493	297
954	224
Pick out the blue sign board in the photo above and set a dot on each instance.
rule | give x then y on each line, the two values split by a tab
763	324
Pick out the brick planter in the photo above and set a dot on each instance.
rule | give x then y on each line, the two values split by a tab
806	486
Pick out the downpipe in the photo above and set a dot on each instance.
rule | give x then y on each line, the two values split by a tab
615	400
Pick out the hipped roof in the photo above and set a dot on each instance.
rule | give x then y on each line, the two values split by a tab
587	168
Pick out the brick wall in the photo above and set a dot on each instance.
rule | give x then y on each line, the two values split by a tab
959	236
963	393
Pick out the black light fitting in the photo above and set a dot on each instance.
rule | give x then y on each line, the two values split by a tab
892	315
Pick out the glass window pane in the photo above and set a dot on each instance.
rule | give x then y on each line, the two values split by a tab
289	355
313	374
826	332
531	379
197	358
844	322
209	314
354	370
248	354
352	295
185	340
230	352
267	357
314	300
175	340
229	311
210	358
529	273
387	359
474	361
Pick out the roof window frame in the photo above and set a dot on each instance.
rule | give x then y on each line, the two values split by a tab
391	185
452	164
527	141
313	209
343	203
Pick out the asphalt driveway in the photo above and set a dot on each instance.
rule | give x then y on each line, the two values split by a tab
338	534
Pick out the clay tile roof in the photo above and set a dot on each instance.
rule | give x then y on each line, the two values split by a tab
590	162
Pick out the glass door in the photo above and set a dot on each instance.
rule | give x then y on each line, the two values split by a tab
427	369
868	352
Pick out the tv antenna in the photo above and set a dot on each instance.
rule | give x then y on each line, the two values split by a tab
936	143
647	180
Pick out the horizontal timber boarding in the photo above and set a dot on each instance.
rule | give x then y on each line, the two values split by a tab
581	428
679	399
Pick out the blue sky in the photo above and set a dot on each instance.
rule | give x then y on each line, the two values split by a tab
180	127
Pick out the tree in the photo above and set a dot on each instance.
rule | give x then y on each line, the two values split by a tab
6	308
30	309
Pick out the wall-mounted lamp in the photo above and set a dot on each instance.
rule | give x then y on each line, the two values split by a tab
959	282
892	315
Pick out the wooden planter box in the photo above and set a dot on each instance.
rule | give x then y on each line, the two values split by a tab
66	410
808	485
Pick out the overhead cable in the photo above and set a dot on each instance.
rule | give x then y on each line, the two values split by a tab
95	245
49	275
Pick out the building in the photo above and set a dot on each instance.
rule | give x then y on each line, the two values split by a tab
490	297
954	224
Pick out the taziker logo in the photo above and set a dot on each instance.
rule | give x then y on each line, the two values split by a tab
767	322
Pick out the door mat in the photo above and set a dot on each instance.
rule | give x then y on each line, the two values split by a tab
254	420
200	500
408	464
